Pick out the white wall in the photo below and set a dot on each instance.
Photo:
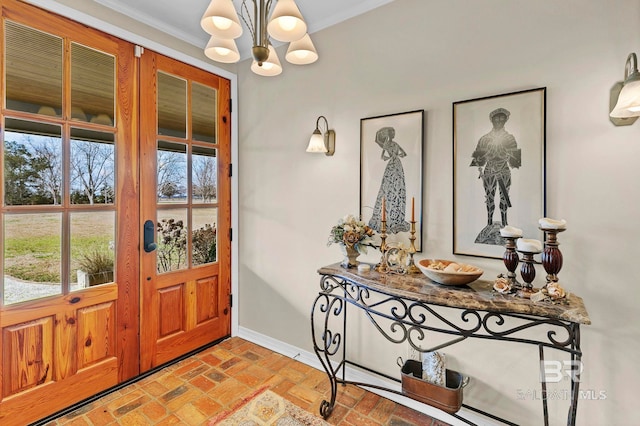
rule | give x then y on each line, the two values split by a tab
417	54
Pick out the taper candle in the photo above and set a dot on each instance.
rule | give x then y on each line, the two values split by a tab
384	209
413	209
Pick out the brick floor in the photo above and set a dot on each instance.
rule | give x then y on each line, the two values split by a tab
196	389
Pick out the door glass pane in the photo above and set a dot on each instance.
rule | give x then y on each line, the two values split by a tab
204	175
92	85
172	172
92	167
203	113
33	64
172	240
92	248
32	163
204	236
32	247
172	106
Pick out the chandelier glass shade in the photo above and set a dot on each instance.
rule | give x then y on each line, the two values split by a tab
270	67
222	50
285	24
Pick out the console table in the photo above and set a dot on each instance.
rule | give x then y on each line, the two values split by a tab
403	308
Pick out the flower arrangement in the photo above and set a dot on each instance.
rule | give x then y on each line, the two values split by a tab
352	232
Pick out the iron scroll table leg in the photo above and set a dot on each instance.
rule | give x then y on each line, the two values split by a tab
328	343
576	358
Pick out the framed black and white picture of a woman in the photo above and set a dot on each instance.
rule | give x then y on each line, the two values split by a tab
498	170
391	149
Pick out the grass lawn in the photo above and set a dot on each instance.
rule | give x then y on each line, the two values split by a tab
32	245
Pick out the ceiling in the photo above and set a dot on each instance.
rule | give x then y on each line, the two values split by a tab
172	17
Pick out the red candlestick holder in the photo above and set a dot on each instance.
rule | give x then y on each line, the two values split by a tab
551	255
511	259
528	274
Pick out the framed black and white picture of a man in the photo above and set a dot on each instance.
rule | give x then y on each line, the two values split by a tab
499	169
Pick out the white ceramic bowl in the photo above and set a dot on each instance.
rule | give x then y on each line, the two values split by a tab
448	272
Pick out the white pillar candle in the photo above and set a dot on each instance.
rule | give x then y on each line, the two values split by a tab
547	223
511	231
529	245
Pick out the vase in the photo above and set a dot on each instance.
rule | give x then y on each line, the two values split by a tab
350	256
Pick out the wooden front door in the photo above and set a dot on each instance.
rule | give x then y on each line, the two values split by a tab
68	215
94	142
185	204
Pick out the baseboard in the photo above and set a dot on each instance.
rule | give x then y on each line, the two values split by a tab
312	360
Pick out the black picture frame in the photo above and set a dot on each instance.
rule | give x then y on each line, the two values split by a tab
494	183
396	171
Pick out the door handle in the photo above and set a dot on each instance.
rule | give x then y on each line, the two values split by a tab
149	236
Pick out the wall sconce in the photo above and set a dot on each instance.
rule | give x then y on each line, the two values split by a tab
624	98
322	142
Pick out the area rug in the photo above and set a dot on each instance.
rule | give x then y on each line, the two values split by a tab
265	407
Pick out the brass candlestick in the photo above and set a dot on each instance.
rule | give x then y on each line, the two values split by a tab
382	266
412	268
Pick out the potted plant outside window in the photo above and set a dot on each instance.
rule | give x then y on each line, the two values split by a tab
95	267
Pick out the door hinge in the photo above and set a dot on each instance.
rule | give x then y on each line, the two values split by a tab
230	234
230	105
231	300
230	169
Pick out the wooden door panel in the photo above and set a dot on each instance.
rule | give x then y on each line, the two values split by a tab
53	361
96	334
189	316
28	355
183	309
52	396
207	305
65	337
171	310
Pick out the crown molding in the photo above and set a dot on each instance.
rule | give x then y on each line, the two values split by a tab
136	14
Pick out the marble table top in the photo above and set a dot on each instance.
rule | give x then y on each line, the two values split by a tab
478	295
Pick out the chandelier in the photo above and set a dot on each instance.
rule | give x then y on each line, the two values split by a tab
286	24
